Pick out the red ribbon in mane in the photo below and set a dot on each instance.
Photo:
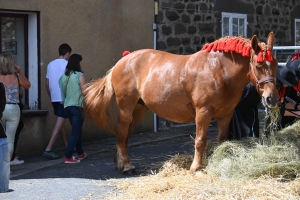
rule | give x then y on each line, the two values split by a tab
227	44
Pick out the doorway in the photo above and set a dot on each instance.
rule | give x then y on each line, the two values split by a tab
13	38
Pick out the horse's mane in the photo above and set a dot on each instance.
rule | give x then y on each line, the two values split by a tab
239	45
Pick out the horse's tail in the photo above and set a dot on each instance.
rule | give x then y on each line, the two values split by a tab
98	102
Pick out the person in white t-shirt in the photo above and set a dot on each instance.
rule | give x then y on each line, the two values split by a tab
55	70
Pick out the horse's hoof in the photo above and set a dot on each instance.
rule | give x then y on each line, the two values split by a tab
130	172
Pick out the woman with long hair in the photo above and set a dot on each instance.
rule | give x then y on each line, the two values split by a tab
9	74
72	85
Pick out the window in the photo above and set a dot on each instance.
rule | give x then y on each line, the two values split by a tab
234	24
19	36
297	32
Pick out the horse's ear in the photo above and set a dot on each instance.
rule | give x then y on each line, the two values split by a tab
254	43
271	41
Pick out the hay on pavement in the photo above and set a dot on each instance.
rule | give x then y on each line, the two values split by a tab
263	169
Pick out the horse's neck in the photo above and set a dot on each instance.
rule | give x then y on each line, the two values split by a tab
237	66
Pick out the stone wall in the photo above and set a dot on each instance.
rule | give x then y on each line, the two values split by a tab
184	26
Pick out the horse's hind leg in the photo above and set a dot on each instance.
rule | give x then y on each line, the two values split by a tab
137	116
125	125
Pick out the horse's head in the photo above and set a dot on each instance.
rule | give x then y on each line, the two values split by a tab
263	70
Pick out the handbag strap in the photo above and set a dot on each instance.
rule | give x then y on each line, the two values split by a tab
20	92
17	75
68	82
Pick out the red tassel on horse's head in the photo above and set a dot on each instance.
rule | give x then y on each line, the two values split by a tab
226	46
269	56
232	44
237	46
246	51
260	58
209	47
221	44
125	53
204	47
215	47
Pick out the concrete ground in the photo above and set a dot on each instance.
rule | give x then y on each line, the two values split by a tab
39	178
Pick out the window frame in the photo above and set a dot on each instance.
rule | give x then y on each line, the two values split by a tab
295	29
231	16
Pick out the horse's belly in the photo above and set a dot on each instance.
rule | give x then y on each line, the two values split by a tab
173	111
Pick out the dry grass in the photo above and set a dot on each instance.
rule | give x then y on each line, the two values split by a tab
274	115
175	183
267	168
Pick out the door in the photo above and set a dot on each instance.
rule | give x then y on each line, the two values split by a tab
14	39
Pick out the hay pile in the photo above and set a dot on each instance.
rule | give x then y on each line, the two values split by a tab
183	185
174	182
277	157
247	169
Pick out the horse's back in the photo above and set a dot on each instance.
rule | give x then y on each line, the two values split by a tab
174	85
156	78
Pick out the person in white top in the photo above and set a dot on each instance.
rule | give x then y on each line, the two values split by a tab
55	70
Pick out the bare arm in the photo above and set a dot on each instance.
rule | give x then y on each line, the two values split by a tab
47	87
24	82
82	83
292	109
292	113
291	106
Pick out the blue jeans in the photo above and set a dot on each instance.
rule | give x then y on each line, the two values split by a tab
75	116
4	165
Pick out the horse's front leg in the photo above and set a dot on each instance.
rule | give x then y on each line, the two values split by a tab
223	127
202	120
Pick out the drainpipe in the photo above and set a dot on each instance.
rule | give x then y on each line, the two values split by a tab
154	47
154	26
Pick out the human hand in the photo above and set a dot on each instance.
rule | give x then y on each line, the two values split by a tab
18	68
89	83
289	106
291	101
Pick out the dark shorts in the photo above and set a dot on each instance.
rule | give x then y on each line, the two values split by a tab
59	109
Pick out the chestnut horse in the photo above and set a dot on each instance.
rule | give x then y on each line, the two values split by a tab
182	88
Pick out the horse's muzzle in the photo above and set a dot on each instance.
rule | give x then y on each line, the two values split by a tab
270	102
